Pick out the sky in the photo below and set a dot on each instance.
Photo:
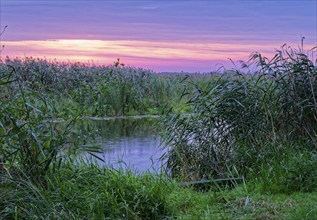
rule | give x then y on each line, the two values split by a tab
165	35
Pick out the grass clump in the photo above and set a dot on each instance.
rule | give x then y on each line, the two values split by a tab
295	171
88	192
244	121
31	141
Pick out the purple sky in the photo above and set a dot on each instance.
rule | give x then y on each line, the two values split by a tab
161	35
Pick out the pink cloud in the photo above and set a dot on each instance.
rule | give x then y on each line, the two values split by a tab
158	55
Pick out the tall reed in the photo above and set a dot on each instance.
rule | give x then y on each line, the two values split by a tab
101	90
235	117
31	140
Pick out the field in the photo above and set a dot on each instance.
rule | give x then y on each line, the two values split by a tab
257	122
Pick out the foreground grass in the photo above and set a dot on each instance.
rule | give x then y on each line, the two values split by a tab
88	192
246	201
261	126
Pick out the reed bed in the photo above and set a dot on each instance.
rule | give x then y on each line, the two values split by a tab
250	123
113	90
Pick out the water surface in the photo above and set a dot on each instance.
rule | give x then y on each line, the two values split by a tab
128	142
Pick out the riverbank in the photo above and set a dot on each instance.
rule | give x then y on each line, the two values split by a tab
87	192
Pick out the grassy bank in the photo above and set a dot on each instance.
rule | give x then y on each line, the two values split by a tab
88	192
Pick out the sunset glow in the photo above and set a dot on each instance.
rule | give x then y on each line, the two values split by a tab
150	35
137	52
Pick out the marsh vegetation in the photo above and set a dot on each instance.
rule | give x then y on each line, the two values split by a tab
257	122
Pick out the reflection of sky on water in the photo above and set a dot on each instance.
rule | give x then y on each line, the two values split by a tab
134	149
140	153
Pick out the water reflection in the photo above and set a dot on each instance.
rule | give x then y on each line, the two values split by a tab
132	143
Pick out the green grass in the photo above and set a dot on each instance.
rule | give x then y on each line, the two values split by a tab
241	121
112	90
88	192
260	125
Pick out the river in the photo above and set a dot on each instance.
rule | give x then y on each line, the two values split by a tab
132	143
